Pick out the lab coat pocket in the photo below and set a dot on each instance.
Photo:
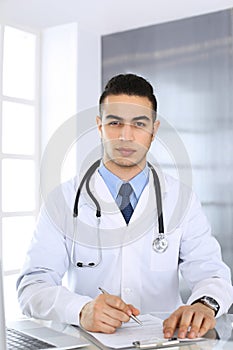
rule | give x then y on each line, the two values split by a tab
167	260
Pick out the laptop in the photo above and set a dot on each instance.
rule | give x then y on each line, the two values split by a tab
32	335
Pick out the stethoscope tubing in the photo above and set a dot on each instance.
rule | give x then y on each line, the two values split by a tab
159	244
158	198
87	177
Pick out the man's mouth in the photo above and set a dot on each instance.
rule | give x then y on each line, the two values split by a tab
126	152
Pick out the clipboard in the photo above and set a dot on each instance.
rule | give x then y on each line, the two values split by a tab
133	336
165	343
156	344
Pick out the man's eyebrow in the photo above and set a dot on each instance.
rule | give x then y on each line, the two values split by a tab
112	116
140	117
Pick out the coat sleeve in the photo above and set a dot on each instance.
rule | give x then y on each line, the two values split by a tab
201	262
40	290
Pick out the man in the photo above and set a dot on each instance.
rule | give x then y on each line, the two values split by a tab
138	279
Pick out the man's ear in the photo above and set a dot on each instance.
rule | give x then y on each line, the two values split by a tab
155	129
99	124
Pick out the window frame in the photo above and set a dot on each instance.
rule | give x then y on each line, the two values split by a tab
37	134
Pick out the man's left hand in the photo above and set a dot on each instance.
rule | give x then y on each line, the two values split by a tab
192	321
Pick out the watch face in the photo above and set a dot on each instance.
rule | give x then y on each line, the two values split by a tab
211	302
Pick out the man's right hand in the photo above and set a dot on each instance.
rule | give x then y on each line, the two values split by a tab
106	313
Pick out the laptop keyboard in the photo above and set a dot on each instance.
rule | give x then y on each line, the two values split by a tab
19	340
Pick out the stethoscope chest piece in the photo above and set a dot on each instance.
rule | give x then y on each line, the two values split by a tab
160	243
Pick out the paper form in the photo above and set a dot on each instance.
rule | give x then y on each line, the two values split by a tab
129	332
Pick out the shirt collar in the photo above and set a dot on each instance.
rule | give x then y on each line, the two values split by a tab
114	183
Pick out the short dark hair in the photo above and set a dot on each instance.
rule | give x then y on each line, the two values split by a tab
129	84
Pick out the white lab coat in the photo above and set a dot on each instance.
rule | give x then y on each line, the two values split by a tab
130	267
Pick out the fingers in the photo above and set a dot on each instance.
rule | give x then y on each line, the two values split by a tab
170	325
190	324
192	321
107	323
105	314
134	310
116	304
207	325
195	322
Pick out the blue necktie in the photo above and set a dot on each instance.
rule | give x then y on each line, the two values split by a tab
125	206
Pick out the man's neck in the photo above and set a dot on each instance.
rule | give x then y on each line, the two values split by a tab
125	173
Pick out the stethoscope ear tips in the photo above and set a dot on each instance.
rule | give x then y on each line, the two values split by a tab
80	264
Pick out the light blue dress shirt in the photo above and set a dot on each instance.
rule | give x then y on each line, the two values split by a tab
114	183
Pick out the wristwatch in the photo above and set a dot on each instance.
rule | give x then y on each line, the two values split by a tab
210	302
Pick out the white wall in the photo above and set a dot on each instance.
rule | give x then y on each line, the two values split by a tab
59	49
89	68
70	81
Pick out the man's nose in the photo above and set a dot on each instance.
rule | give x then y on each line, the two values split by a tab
127	132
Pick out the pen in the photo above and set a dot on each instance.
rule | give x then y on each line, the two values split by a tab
132	316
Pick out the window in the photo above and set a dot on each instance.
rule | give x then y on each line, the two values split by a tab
19	129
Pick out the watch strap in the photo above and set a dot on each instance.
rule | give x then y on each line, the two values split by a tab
209	302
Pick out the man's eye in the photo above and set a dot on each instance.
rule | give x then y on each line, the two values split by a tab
115	123
140	124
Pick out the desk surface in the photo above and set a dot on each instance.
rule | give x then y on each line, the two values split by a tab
219	338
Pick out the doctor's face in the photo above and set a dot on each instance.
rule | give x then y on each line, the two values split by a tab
127	129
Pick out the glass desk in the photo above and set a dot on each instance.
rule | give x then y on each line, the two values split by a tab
219	338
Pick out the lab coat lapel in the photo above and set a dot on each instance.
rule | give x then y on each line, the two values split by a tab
143	203
109	208
108	205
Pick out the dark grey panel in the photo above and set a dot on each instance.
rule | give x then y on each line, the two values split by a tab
190	64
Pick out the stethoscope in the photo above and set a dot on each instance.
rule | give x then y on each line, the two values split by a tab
159	244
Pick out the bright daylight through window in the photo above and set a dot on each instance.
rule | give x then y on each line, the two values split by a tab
19	150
